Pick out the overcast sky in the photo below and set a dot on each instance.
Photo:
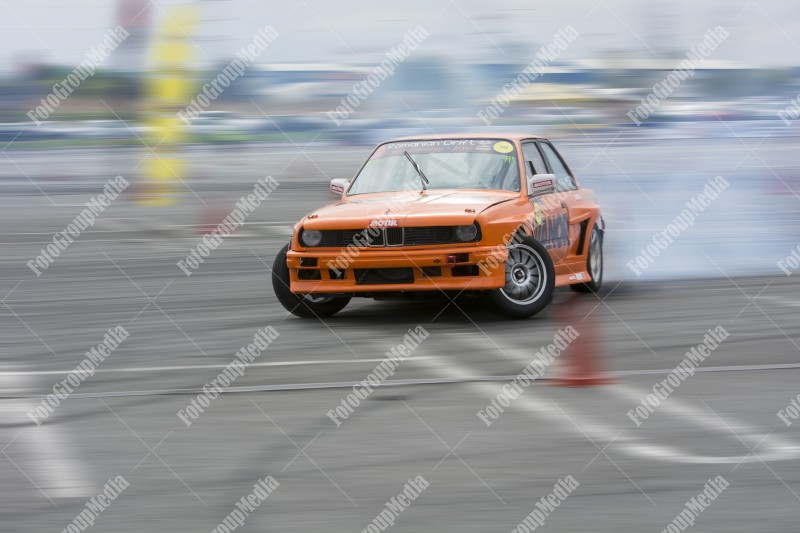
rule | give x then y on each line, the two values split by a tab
353	31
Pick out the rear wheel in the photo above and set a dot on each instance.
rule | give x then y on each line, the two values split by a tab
302	305
529	280
594	263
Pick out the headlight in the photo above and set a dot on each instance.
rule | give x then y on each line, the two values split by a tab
310	237
466	233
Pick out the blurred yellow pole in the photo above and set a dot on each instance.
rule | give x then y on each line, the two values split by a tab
168	90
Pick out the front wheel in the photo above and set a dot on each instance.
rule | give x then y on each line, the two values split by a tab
529	280
302	305
594	263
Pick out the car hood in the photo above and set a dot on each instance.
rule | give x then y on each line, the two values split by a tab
407	209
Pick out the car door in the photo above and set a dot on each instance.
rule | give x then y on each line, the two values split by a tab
566	192
549	212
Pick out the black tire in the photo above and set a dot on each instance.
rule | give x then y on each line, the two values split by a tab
297	304
595	269
530	280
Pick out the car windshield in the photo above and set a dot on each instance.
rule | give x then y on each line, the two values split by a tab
488	164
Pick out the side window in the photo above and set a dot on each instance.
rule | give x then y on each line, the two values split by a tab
564	181
533	160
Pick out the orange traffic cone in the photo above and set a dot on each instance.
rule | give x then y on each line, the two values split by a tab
211	216
581	362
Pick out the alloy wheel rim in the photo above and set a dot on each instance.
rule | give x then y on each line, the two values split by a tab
310	298
595	257
526	276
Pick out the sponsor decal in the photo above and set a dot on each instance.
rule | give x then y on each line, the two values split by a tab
542	183
439	146
503	147
537	213
553	232
383	223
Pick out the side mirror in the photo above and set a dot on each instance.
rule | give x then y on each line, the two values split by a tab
541	184
339	185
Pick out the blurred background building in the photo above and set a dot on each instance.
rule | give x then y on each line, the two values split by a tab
623	50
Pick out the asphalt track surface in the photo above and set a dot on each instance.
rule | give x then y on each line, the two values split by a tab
183	330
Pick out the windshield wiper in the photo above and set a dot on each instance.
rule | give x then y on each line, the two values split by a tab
422	177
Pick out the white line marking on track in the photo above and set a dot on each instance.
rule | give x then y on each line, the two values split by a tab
778	449
45	459
780	301
475	377
772	447
198	367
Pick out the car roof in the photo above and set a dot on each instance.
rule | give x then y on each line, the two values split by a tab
516	136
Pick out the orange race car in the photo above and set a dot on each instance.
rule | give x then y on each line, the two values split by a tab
498	214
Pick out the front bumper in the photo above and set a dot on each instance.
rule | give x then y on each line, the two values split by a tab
396	269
